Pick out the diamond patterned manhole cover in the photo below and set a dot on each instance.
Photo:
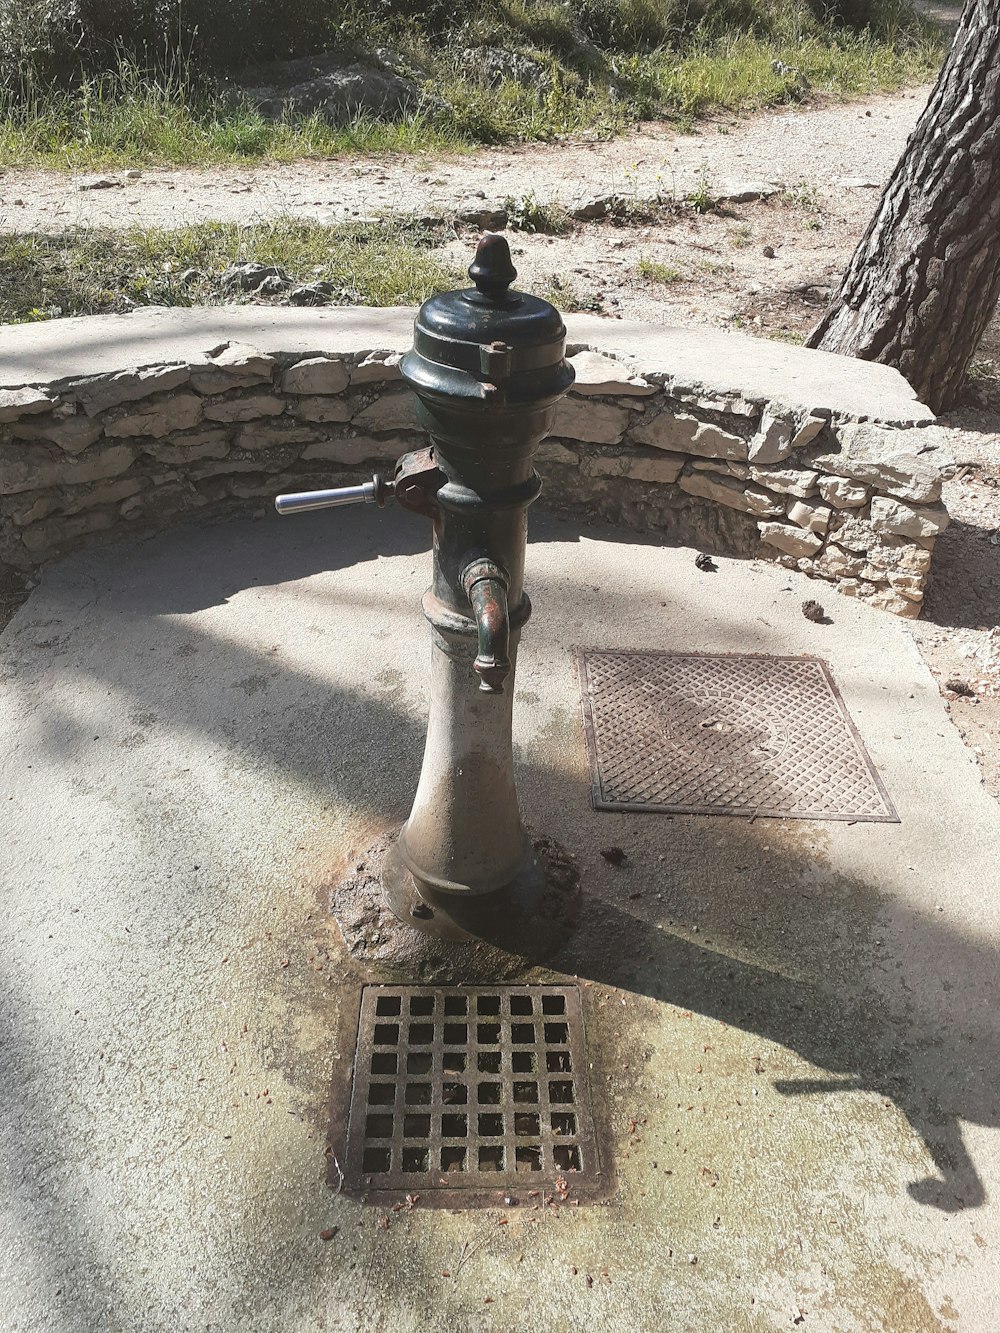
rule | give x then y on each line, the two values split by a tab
702	734
471	1093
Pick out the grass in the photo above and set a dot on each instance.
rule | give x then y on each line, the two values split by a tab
654	271
529	215
152	123
99	272
786	335
130	117
803	197
702	198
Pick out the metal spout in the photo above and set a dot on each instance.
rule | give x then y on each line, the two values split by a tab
486	585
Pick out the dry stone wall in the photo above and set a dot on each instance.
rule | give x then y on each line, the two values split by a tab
854	503
90	457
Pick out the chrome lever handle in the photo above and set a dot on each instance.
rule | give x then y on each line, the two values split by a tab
371	492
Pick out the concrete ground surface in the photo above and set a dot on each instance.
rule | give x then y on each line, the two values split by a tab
794	1025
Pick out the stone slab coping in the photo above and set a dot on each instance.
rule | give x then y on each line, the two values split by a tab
712	361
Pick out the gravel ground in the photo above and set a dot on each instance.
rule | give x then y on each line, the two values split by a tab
822	145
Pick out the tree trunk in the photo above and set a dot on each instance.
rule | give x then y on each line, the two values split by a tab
925	279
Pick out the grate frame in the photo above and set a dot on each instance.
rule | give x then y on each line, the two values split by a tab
428	1087
655	702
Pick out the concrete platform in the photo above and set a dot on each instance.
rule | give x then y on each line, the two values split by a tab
795	1026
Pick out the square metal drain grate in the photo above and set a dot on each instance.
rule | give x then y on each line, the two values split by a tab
704	734
471	1093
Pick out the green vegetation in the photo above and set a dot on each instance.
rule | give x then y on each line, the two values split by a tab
802	195
654	271
528	214
98	272
74	93
702	198
163	122
803	198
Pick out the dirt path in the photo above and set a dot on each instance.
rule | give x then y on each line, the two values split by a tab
825	146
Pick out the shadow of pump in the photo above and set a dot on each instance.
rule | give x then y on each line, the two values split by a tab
933	1059
881	996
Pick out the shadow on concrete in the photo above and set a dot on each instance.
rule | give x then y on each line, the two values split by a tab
286	550
914	1023
47	1196
926	1058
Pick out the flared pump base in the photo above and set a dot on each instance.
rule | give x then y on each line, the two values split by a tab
424	937
502	917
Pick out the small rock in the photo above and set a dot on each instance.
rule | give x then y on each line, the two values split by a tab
834	562
905	521
272	286
15	403
614	856
706	564
747	192
251	277
768	252
595	209
793	541
773	441
317	375
842	494
100	183
883	457
133	175
498	65
807	430
311	294
813	611
191	275
482	215
812	517
786	480
960	687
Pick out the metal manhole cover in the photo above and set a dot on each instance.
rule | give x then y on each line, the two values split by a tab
470	1094
705	734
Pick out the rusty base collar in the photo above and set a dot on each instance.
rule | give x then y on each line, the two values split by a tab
491	938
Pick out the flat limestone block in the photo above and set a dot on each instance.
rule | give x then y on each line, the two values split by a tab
718	363
101	344
709	360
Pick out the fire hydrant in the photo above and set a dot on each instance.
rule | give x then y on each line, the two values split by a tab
488	368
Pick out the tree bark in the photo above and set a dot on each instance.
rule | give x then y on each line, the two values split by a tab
925	279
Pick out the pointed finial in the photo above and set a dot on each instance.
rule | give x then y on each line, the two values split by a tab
492	270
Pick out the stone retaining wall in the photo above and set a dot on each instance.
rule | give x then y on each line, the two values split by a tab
795	478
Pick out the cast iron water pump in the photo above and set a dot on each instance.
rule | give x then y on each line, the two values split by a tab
488	368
